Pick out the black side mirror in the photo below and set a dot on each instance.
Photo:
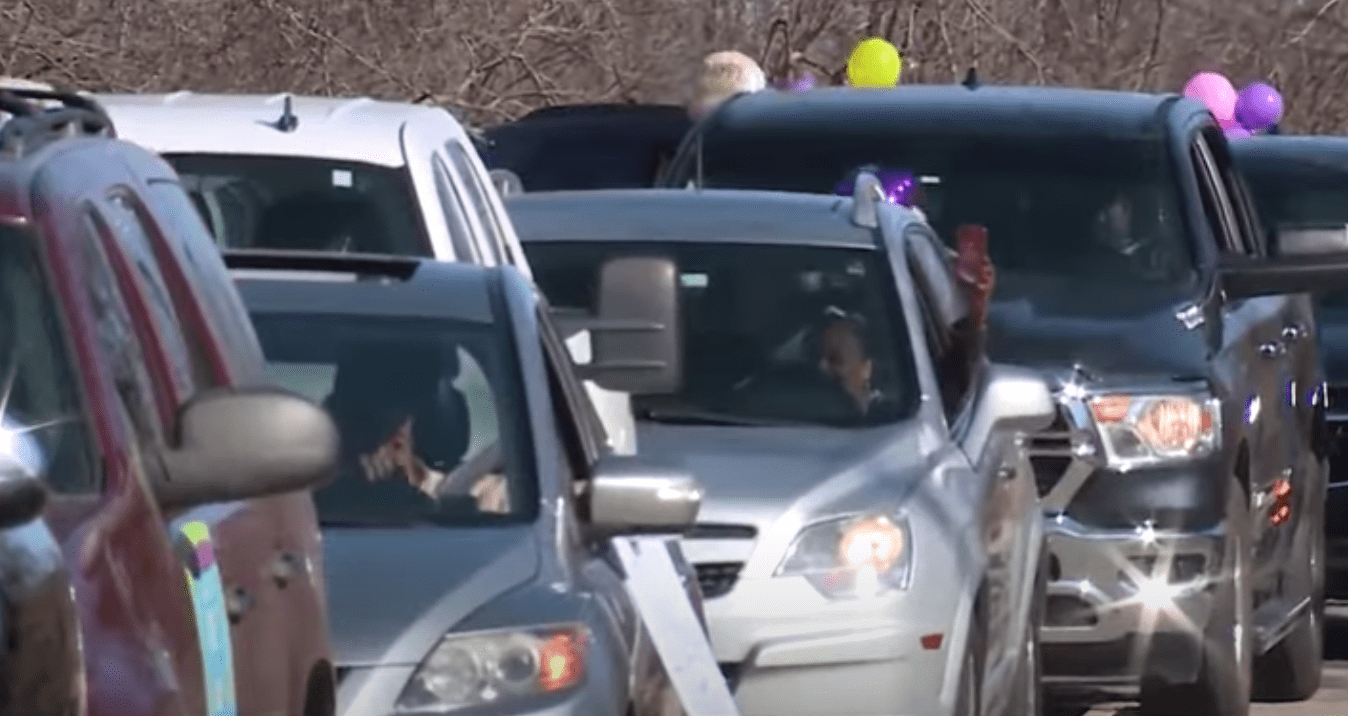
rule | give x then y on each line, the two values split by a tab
234	444
23	489
637	346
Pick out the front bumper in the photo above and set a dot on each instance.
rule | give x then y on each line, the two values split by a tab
374	691
789	651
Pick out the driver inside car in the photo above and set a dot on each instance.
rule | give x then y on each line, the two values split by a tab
844	358
1131	226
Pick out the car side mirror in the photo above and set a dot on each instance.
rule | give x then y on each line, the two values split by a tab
628	495
23	487
234	444
1020	399
507	183
1310	240
635	339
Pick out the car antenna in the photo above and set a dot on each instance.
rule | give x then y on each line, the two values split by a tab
971	80
288	120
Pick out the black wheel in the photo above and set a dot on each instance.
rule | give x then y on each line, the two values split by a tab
1223	685
1291	670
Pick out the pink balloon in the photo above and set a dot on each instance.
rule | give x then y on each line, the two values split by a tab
1229	124
1216	91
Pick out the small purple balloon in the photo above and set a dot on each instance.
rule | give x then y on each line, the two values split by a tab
1258	107
802	83
897	185
1238	133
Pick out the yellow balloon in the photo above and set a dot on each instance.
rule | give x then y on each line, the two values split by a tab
874	63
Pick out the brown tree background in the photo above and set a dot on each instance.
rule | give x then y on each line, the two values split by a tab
495	59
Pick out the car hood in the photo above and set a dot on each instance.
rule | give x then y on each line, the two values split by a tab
392	593
1106	327
753	475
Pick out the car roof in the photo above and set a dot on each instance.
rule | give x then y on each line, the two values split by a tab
351	129
711	215
955	109
1285	152
312	283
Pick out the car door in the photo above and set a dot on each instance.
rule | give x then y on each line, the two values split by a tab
143	651
1252	359
598	570
244	534
1008	497
289	612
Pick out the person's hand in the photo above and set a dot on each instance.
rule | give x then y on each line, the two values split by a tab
491	493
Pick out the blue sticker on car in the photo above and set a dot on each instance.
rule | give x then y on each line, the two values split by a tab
208	601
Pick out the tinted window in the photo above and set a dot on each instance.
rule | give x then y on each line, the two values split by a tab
428	413
1084	208
460	231
209	276
762	342
477	196
301	203
597	152
187	367
39	387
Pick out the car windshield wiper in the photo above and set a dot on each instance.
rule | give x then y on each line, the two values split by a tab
676	416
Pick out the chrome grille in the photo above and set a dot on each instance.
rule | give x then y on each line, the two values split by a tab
717	578
1050	453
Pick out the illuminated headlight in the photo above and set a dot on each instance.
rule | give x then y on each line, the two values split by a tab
852	556
478	668
1140	430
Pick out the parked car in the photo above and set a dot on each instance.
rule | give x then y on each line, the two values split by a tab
341	175
587	146
1132	269
866	546
1299	185
491	583
140	438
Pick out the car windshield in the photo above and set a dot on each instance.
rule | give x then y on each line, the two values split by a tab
773	334
425	409
1299	193
1082	208
304	204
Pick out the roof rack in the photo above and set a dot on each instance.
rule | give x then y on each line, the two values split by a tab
400	267
34	125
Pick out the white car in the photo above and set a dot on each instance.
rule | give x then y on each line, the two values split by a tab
340	174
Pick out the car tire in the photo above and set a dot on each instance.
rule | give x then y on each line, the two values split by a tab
1291	670
1226	667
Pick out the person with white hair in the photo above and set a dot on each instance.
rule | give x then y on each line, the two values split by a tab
724	75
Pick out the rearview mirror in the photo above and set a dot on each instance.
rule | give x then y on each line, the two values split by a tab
507	183
630	496
1020	399
636	342
1249	276
1311	240
23	489
234	444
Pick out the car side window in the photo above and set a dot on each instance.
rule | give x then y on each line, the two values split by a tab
188	367
1216	202
477	196
1242	203
40	387
210	277
117	337
456	215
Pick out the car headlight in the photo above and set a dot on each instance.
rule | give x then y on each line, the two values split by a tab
1139	430
852	556
477	668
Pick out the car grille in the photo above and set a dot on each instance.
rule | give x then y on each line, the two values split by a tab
1050	453
717	578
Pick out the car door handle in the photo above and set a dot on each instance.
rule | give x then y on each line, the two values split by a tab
1293	333
1273	349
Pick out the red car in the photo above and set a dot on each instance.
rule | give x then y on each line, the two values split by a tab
159	553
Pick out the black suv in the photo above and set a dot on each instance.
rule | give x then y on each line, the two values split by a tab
1183	483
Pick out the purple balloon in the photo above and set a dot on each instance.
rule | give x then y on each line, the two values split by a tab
802	83
897	185
1238	133
1258	107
